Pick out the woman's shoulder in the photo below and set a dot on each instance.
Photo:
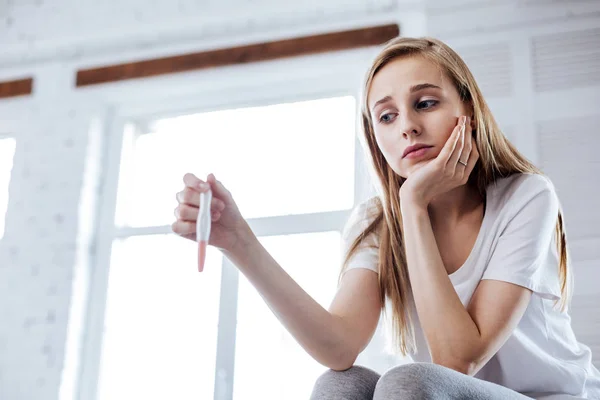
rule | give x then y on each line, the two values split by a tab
367	208
519	189
362	215
522	185
370	206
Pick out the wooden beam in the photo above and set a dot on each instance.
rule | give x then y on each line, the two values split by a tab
16	88
300	46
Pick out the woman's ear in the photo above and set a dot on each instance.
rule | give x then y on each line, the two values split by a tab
470	111
471	114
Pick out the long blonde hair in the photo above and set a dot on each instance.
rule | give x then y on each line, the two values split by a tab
498	159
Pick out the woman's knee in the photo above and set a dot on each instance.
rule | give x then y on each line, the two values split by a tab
411	381
355	383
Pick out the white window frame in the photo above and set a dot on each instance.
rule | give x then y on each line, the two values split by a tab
330	75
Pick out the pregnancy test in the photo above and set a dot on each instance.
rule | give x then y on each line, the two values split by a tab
203	227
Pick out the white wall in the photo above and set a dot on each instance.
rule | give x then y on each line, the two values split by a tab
548	105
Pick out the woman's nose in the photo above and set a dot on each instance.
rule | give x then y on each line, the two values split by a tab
408	125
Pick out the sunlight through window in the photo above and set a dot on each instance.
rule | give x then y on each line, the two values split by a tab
161	321
298	156
269	362
7	153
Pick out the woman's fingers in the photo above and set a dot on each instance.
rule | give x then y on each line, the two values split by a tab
183	227
458	149
468	142
186	212
451	144
188	196
193	182
217	187
191	193
473	157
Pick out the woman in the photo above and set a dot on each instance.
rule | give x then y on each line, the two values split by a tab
464	246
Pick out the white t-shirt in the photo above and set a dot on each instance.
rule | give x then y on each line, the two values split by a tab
516	244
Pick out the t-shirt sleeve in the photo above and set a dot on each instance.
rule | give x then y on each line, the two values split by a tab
525	253
367	254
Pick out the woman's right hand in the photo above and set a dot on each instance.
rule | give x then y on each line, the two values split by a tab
228	227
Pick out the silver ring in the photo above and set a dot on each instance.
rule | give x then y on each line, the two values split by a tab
460	162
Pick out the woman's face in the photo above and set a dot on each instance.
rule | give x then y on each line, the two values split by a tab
412	102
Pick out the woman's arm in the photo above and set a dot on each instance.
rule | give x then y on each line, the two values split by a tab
461	339
334	338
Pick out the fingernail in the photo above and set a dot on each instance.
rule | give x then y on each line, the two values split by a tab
463	120
202	185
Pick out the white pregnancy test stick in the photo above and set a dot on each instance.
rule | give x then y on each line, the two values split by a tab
203	227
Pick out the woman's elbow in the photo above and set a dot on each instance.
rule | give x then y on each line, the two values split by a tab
342	363
464	367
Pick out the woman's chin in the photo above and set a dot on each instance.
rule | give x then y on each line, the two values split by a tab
414	165
410	167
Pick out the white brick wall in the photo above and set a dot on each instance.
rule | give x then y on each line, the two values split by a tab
37	30
38	252
47	235
42	236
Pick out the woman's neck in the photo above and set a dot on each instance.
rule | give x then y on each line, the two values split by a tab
450	207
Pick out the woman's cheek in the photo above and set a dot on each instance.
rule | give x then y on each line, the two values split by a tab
390	151
447	129
383	143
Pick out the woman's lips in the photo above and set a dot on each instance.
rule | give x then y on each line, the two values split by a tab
418	153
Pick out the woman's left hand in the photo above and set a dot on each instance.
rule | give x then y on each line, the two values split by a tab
444	172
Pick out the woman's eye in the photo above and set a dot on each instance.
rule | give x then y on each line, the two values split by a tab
385	118
425	104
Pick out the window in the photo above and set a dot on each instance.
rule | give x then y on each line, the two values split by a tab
7	152
161	323
269	363
291	152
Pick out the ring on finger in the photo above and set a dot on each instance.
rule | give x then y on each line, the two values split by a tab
463	163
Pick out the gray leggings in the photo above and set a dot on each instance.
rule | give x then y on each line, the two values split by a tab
409	381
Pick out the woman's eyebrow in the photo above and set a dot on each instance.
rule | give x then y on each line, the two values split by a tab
422	86
378	102
413	89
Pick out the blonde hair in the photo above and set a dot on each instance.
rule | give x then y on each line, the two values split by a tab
498	158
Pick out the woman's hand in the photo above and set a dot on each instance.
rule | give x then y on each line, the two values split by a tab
443	173
229	230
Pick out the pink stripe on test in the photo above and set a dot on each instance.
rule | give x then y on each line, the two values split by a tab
201	254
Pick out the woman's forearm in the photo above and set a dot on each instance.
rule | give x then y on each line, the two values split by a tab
450	331
318	331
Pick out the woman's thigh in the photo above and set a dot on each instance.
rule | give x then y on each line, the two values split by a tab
356	383
431	381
